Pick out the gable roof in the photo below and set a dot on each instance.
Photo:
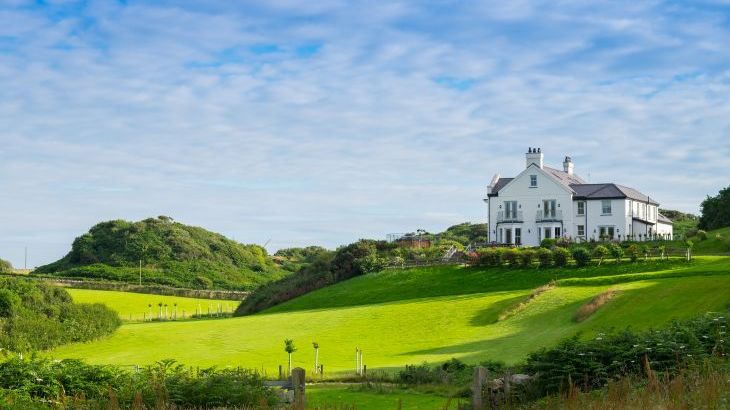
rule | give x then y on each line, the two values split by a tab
607	191
663	219
500	184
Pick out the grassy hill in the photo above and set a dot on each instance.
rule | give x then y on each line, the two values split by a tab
171	254
429	314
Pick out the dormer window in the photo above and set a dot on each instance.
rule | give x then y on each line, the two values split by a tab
533	181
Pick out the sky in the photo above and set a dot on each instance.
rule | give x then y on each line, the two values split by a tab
292	123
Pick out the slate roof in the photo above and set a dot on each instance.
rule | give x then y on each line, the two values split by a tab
584	190
606	191
663	219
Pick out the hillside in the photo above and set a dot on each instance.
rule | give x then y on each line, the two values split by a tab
429	314
171	253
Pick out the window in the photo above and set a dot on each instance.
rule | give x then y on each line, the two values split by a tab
547	233
606	207
508	235
581	230
510	209
548	206
557	232
581	208
518	236
533	181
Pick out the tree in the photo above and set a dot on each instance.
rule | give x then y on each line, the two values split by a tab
5	266
716	211
289	349
159	316
316	356
600	252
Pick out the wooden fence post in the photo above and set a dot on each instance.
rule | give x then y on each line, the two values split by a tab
281	377
480	377
298	384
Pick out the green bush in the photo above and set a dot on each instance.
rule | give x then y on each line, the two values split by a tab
547	243
600	252
592	363
74	384
617	252
490	256
581	256
701	235
527	256
511	256
544	257
5	266
633	252
692	232
201	282
560	256
37	315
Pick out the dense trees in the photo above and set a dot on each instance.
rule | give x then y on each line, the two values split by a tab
36	315
716	211
171	254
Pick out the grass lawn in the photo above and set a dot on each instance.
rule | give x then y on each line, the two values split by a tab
134	306
332	396
399	317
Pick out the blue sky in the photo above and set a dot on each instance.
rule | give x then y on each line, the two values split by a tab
323	122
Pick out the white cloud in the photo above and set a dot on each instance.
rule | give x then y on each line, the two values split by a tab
166	109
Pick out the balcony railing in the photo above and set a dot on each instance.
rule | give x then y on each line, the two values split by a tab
550	216
509	217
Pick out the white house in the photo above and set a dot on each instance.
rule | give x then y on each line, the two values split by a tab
543	202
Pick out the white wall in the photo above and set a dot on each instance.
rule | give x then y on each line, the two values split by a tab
529	201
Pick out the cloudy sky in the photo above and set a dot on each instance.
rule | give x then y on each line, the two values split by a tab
320	122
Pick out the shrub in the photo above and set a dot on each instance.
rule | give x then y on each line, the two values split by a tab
527	256
201	282
37	315
544	256
600	252
633	252
691	232
592	363
5	266
547	243
701	235
646	250
511	256
617	252
490	256
560	256
581	256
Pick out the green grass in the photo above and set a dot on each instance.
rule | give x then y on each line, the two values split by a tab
321	397
135	306
429	314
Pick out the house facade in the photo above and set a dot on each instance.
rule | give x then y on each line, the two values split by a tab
543	202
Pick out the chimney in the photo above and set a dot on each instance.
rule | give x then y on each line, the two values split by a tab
568	166
495	178
534	156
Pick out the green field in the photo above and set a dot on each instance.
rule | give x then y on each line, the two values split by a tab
332	396
399	317
135	306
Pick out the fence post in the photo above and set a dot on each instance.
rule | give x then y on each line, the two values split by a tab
281	377
480	377
298	383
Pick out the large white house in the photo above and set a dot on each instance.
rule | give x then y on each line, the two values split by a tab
543	202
